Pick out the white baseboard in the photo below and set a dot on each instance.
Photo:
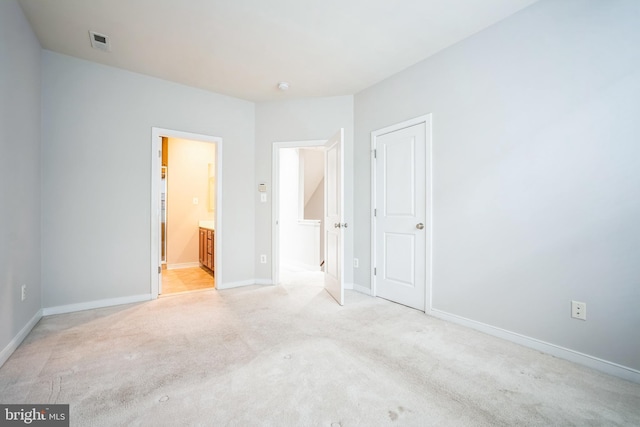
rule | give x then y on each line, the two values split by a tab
602	365
361	289
71	308
6	352
183	265
264	282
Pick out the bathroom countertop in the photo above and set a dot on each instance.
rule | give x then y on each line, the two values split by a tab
208	224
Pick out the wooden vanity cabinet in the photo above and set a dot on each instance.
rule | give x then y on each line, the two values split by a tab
207	248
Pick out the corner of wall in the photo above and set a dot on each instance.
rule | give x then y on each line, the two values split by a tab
6	352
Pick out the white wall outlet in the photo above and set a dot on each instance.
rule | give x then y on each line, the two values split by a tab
263	259
263	197
355	263
23	291
579	310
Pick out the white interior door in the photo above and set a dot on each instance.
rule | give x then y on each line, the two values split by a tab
400	219
334	224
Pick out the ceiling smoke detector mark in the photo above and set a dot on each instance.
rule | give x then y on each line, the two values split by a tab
283	86
100	41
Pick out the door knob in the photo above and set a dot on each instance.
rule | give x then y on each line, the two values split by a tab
419	226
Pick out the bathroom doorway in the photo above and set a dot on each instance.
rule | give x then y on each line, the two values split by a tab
189	215
186	202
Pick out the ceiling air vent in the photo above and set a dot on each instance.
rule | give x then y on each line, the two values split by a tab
100	41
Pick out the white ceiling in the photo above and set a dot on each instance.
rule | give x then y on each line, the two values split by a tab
243	48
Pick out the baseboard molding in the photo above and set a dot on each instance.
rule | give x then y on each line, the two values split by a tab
71	308
361	289
183	265
593	362
6	352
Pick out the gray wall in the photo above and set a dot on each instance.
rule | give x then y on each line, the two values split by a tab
536	177
19	171
300	120
97	176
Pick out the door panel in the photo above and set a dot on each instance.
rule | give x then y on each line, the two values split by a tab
400	191
400	259
334	215
399	186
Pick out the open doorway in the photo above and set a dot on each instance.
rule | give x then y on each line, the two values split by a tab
296	230
186	202
298	205
301	213
188	211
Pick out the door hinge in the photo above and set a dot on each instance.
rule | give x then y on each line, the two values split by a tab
159	269
159	153
375	154
375	271
375	212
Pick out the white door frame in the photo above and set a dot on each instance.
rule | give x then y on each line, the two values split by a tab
275	200
426	119
156	164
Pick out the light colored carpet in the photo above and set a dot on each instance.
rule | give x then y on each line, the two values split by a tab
288	355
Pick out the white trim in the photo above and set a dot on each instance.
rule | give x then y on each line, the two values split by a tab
593	362
362	289
182	265
155	256
89	305
6	352
426	119
275	199
263	282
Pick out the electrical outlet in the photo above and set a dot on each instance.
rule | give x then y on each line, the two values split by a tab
23	291
263	259
579	310
355	263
